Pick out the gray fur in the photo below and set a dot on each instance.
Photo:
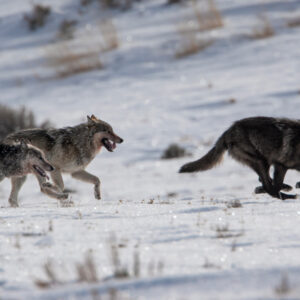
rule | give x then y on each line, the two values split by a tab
259	143
70	150
16	161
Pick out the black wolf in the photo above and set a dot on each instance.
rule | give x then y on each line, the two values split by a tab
258	142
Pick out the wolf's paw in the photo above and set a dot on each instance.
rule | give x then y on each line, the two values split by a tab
287	187
97	194
67	203
63	196
283	196
259	190
13	203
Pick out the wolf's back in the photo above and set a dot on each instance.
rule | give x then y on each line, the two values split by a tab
213	157
36	137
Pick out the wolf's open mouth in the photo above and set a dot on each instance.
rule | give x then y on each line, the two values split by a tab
110	146
40	171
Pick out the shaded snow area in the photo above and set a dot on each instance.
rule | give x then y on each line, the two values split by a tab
156	234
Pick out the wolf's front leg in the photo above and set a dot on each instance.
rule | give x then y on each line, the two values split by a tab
16	184
57	180
50	190
87	177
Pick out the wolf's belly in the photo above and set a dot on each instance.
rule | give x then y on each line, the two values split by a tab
70	161
70	166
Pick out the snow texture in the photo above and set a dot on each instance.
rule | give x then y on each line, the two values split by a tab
190	242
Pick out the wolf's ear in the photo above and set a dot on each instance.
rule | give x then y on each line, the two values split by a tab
94	118
23	144
90	120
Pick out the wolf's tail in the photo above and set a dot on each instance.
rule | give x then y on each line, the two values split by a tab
213	157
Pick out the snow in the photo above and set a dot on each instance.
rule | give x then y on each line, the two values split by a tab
152	100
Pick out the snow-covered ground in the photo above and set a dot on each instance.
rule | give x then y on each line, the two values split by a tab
190	242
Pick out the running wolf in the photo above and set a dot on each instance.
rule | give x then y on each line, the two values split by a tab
258	142
19	160
69	150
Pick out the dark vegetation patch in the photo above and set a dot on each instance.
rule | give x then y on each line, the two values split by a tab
12	120
174	151
38	16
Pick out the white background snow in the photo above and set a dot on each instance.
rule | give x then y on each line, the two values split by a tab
152	99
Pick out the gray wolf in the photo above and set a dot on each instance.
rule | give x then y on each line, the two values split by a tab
258	142
19	160
69	150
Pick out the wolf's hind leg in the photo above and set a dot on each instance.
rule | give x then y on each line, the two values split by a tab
279	174
87	177
16	184
272	187
50	190
261	190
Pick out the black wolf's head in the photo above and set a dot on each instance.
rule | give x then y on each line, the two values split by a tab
35	161
103	134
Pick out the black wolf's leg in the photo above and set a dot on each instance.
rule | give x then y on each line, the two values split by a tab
298	185
262	169
248	155
279	173
285	187
87	177
16	184
260	189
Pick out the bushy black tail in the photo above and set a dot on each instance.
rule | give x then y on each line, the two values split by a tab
213	157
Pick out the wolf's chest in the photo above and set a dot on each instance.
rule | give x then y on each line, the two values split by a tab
77	162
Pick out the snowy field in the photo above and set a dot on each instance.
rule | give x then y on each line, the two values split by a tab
177	235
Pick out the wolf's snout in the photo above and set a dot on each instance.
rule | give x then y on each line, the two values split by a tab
121	141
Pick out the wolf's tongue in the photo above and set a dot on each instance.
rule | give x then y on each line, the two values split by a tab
114	145
107	144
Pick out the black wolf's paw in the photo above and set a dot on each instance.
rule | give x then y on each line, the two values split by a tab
286	187
259	190
298	185
283	196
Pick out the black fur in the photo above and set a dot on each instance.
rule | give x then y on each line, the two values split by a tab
258	142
